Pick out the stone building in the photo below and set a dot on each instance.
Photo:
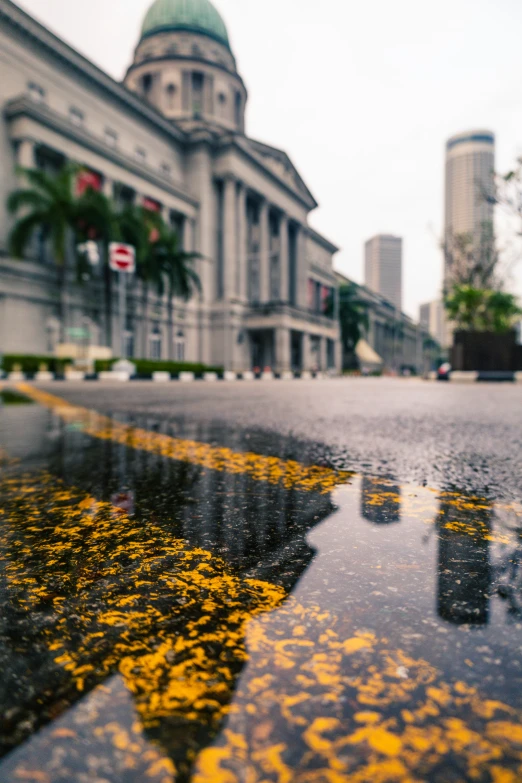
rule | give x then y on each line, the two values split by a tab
172	137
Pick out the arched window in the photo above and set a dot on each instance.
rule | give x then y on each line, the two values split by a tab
171	96
155	341
179	346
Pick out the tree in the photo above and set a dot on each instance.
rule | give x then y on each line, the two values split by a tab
482	310
175	266
353	317
47	203
97	219
470	261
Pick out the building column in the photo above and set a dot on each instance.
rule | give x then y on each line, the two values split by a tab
229	238
284	260
241	249
264	253
322	357
282	350
302	272
26	154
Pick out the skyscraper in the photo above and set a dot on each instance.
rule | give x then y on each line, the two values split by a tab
470	166
383	267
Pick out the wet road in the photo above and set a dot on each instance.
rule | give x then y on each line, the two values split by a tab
193	592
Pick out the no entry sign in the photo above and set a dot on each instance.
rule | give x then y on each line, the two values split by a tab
122	258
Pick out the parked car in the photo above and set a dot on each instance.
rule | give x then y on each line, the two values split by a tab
444	371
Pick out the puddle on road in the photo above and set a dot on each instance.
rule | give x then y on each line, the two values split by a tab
218	618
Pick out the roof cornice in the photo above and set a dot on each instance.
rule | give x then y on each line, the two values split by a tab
24	106
13	16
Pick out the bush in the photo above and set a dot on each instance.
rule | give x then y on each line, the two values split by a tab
31	364
145	367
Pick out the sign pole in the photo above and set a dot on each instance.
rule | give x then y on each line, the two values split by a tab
123	313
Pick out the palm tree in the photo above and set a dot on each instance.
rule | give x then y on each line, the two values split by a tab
47	203
142	228
175	265
353	317
99	220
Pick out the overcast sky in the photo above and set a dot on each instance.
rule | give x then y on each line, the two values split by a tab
361	94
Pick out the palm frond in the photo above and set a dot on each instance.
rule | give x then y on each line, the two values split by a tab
24	198
23	232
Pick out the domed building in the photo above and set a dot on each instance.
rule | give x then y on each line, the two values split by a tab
184	66
171	137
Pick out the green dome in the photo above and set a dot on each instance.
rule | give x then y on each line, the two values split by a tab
198	16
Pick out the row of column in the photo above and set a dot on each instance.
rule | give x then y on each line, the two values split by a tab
235	247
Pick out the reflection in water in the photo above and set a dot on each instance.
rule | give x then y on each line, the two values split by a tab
153	572
464	572
380	500
128	570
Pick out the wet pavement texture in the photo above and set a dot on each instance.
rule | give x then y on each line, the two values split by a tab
189	598
467	436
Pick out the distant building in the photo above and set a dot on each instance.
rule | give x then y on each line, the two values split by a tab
470	167
394	336
383	267
431	318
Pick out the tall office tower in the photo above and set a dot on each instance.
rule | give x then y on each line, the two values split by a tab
470	167
431	318
383	267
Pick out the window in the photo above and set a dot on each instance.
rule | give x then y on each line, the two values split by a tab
146	84
76	116
155	342
141	155
36	93
237	108
111	138
197	93
171	96
179	346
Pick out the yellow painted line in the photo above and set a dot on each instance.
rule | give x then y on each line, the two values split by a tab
290	473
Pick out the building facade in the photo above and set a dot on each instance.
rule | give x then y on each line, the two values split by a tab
172	138
383	267
400	343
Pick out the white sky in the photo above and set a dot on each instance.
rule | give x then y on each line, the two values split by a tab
361	94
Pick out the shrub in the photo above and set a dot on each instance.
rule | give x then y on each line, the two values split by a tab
145	367
31	363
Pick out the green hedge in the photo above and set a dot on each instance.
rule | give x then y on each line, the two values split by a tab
145	367
31	364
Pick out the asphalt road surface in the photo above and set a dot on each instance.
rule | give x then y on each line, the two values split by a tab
463	436
310	581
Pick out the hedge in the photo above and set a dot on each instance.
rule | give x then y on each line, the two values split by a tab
31	363
145	367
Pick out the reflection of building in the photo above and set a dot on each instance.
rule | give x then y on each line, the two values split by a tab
256	527
383	267
380	501
464	573
393	335
171	138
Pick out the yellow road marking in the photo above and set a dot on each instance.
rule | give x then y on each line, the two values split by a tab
290	473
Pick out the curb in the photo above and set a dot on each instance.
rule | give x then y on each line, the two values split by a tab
165	377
